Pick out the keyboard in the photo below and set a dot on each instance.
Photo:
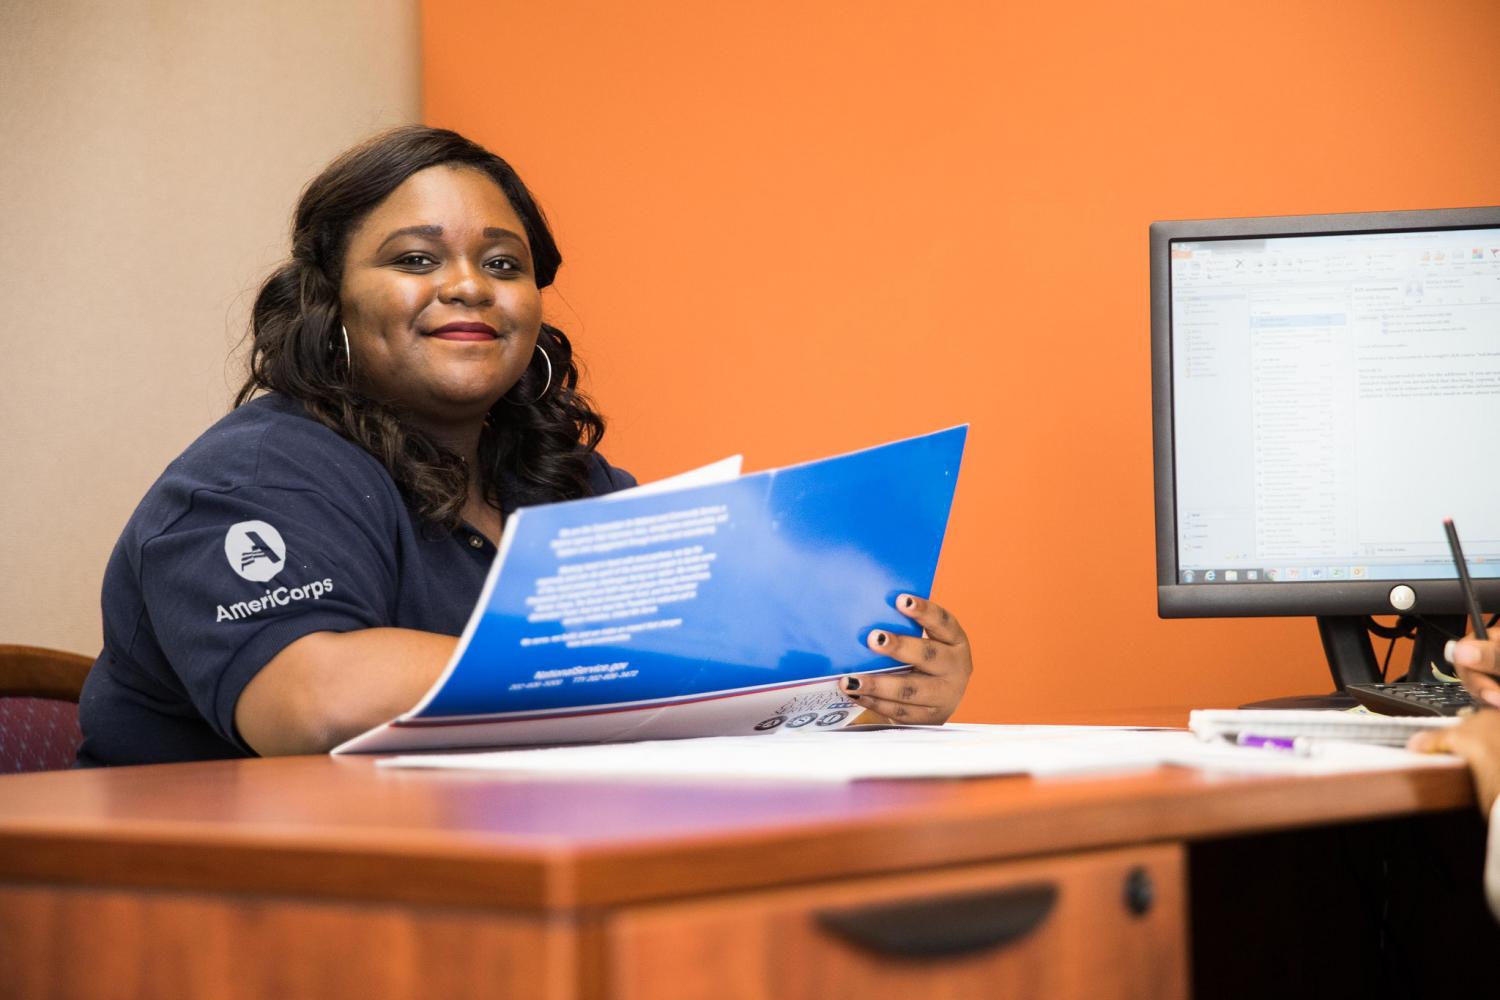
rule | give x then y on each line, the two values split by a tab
1430	698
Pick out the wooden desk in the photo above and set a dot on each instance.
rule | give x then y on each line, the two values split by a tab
327	878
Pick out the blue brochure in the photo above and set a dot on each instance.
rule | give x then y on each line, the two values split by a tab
714	608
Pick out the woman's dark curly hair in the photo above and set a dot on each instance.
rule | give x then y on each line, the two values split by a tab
532	452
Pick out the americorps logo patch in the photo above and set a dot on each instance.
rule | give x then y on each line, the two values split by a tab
255	550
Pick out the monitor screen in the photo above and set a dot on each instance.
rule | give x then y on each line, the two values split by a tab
1327	390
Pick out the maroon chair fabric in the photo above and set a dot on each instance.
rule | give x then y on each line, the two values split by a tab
39	691
38	734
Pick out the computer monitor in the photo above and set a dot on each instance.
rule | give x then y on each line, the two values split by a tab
1326	389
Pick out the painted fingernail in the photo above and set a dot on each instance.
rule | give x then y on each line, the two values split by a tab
1448	648
1465	654
881	638
908	602
851	683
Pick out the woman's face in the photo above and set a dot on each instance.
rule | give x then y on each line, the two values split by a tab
439	297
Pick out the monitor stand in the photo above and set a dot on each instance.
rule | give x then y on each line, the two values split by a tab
1351	658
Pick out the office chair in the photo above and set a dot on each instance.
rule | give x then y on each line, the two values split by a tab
39	691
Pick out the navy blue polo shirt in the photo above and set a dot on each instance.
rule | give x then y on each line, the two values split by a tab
269	527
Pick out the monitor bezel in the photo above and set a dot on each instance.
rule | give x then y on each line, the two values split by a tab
1278	598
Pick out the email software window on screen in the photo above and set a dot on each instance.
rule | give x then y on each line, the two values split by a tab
1335	397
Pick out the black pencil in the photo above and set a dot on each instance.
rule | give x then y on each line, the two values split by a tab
1463	579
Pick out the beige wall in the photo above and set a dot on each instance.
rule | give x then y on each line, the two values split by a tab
150	153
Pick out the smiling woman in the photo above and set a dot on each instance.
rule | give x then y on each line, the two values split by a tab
416	230
301	573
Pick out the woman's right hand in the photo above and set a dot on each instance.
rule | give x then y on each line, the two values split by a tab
1478	666
1477	741
1477	738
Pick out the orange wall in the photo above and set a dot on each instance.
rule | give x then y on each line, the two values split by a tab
798	228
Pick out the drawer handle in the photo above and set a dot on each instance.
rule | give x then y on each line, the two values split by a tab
943	925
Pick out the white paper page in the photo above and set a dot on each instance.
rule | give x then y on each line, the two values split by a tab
927	752
716	472
739	713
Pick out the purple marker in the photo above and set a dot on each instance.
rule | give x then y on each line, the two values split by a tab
1286	744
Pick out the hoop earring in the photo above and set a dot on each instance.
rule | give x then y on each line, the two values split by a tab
348	354
545	386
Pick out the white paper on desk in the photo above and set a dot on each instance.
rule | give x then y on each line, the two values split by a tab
913	752
919	752
1327	757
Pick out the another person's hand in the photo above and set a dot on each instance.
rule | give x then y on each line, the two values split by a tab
940	667
1476	663
1476	740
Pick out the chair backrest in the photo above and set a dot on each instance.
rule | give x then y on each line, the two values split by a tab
39	691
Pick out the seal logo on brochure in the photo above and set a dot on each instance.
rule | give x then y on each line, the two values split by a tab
255	550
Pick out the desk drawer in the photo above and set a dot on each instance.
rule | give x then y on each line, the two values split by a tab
1097	925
